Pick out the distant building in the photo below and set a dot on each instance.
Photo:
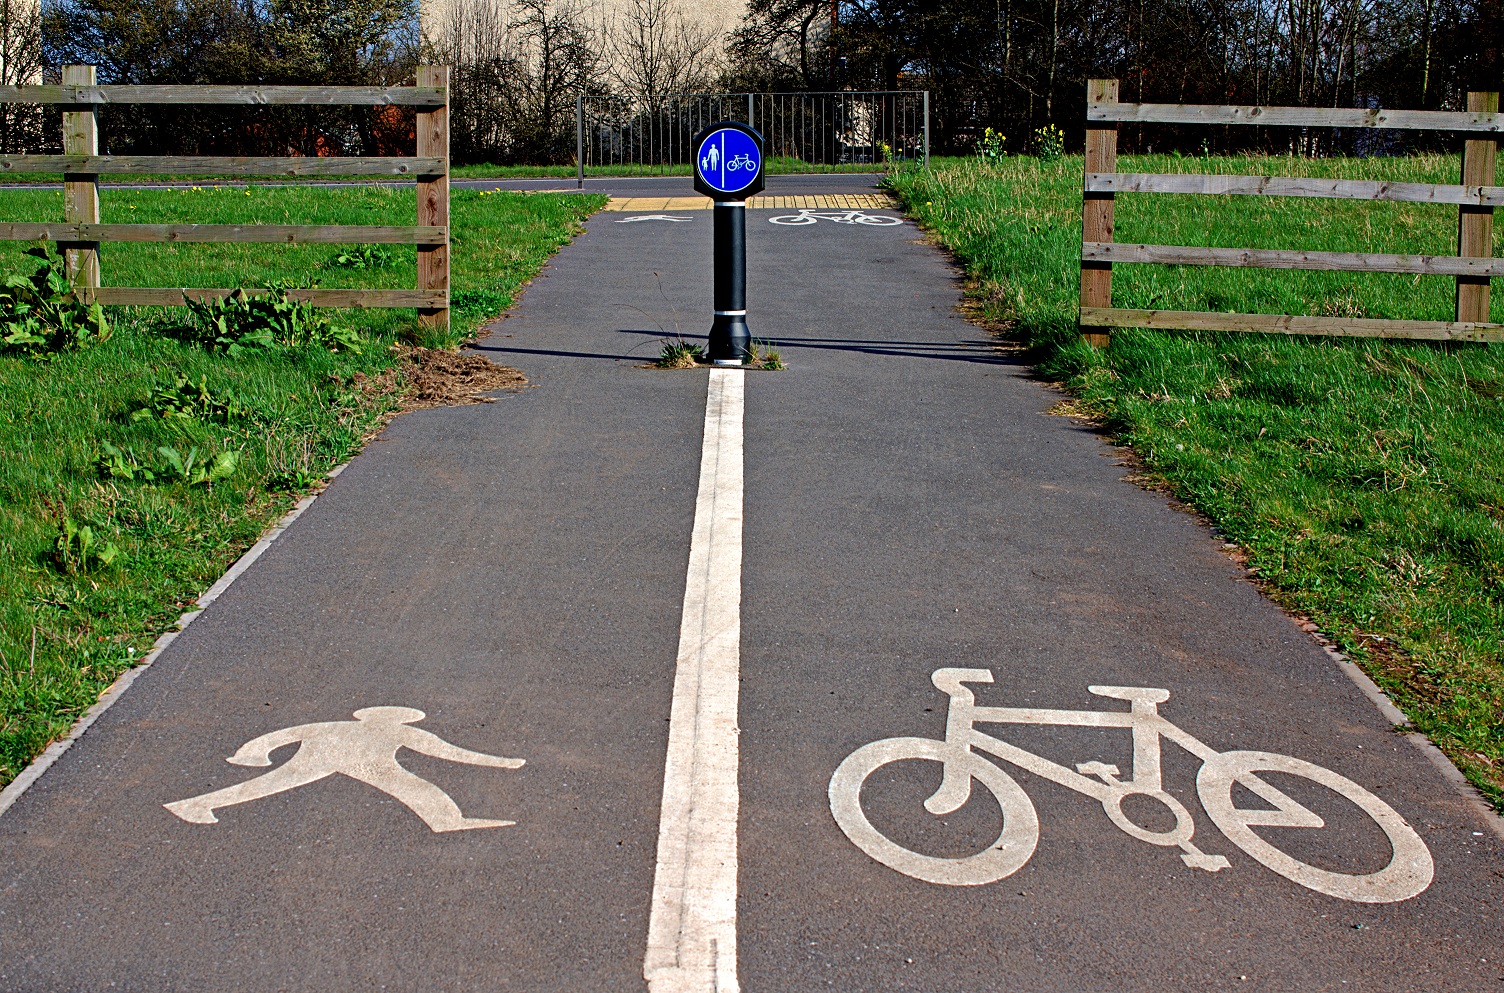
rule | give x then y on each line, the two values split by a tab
723	16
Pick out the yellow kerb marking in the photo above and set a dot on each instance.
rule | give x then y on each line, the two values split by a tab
833	201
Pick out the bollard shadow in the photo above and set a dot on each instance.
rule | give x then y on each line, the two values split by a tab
977	351
974	351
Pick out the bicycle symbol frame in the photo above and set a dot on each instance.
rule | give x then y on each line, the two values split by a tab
806	216
1408	873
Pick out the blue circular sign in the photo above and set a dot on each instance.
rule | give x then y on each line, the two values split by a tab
728	160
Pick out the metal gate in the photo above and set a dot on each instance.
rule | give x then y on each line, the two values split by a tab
856	131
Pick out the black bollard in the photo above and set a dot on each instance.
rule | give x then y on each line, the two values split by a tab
729	169
730	341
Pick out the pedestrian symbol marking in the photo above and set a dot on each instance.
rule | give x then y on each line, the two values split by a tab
728	160
654	217
1409	872
364	749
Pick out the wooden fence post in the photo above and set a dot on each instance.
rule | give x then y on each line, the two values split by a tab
80	189
433	195
1097	207
1475	225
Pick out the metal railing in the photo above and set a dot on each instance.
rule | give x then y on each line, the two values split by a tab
652	136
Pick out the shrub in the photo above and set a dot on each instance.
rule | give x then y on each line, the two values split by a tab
265	320
990	146
1049	143
39	315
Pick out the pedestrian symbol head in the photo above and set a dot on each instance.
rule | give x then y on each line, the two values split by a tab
389	715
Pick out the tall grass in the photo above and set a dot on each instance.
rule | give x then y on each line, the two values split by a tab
1364	479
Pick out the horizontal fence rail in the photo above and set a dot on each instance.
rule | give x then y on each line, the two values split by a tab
1475	197
1356	327
1292	186
126	296
1273	258
1295	117
268	234
218	165
821	129
302	96
81	233
241	233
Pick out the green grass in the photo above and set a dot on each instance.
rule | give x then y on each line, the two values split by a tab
1364	479
305	411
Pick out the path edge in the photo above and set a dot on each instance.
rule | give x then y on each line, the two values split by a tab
1406	727
116	690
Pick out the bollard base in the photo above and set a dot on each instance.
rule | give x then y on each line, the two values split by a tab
728	362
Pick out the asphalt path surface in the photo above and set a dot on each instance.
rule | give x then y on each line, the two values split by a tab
517	572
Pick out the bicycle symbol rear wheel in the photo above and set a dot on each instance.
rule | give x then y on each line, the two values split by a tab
1005	856
1408	873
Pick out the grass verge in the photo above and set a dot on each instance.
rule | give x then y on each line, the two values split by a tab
74	615
1361	478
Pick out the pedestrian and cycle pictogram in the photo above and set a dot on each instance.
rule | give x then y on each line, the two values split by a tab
364	749
837	216
728	160
1407	874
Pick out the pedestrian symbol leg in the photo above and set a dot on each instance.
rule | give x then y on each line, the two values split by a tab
200	809
422	797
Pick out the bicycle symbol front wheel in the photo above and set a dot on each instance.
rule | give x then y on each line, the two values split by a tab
877	220
1005	856
1408	873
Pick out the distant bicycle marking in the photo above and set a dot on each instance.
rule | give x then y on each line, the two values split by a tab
838	216
1408	873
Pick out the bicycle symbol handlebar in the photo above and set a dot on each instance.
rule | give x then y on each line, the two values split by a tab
1408	873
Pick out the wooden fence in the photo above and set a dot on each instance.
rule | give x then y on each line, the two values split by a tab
1476	197
81	233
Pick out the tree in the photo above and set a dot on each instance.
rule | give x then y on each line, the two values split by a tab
20	62
331	42
783	45
516	68
655	50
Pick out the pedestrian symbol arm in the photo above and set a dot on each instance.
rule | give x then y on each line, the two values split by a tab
430	744
258	751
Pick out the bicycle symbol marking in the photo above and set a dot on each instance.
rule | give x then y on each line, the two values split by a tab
838	216
1408	873
739	162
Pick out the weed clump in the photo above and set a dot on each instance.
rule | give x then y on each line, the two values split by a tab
679	355
76	549
39	314
265	320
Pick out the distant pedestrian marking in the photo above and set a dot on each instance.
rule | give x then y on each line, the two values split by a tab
364	749
836	216
692	925
1408	873
653	217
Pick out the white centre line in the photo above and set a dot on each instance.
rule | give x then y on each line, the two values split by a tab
692	928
